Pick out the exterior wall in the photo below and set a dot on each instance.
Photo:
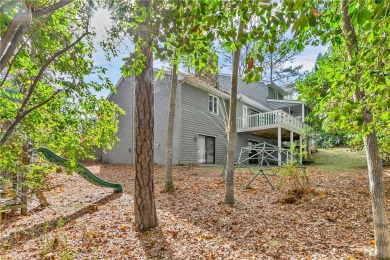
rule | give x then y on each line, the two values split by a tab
161	108
271	93
122	153
257	91
239	108
192	118
197	120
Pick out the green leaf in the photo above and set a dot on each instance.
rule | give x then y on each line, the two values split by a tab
298	4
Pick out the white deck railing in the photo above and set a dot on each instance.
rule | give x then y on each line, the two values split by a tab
269	120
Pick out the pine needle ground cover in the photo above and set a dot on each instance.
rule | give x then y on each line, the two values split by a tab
88	222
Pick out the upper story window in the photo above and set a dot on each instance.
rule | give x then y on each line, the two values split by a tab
213	104
273	94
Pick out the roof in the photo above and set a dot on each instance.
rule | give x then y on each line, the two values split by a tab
276	87
221	92
196	82
285	101
252	102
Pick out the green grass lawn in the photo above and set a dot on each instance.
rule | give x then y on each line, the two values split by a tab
338	159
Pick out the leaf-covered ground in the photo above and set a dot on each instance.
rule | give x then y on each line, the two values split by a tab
88	222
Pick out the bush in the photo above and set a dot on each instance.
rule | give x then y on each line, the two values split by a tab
294	181
327	140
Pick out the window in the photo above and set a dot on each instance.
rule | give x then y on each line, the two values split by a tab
273	94
245	116
213	104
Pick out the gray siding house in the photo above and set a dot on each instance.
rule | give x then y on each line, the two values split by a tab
201	118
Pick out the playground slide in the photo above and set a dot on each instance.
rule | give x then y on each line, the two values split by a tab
82	171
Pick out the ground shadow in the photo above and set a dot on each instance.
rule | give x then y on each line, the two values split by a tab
21	236
155	244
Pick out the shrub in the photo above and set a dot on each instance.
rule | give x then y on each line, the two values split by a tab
294	181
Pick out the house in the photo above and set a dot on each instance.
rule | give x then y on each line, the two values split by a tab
201	116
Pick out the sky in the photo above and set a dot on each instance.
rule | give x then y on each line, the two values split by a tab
101	21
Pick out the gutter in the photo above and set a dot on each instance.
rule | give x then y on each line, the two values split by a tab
205	87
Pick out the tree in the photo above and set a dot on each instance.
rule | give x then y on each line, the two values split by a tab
232	134
144	201
176	30
16	17
355	31
277	66
183	42
44	96
168	179
236	25
138	21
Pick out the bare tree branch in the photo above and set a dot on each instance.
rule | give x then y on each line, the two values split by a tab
21	114
10	67
8	34
13	45
43	103
51	9
19	119
8	38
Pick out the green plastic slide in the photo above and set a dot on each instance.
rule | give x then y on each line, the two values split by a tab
82	171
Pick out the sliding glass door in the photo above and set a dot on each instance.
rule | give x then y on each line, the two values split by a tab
206	149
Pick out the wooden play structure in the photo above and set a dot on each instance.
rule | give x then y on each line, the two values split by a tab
15	197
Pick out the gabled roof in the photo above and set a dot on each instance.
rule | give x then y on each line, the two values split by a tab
196	82
276	87
219	92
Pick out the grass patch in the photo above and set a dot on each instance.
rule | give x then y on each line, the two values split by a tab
339	159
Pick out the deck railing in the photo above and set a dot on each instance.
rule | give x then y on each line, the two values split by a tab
269	120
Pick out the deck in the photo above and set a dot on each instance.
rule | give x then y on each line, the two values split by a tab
267	123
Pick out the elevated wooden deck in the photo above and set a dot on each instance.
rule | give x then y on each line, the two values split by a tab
267	124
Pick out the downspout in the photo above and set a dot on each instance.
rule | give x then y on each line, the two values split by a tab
180	82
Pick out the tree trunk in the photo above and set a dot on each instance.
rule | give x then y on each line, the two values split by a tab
375	174
144	198
378	197
168	182
232	133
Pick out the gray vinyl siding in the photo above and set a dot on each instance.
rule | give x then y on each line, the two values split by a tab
271	94
197	120
122	153
161	109
240	109
256	91
192	118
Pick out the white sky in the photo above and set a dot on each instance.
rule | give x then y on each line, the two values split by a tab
101	21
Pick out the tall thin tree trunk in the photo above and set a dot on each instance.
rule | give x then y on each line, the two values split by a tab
378	196
144	198
232	133
168	181
375	174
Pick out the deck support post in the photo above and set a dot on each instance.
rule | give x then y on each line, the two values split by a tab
300	148
279	145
